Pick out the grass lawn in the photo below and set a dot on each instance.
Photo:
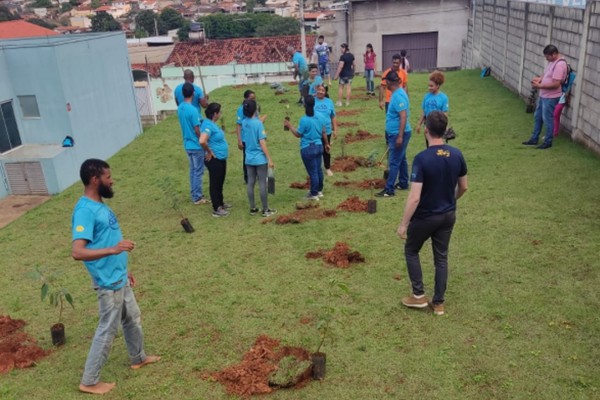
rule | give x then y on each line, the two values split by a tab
523	284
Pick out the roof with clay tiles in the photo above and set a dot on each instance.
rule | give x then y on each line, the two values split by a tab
242	50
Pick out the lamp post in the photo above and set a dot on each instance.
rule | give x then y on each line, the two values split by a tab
302	29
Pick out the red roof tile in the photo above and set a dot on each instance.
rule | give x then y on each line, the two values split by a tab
21	29
243	50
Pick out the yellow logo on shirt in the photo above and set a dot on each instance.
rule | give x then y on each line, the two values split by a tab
79	228
443	153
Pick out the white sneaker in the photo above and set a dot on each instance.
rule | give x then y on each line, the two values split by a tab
320	194
347	103
329	172
309	197
339	104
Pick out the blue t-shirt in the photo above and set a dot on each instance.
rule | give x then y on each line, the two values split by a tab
216	139
299	60
434	102
310	130
438	168
241	116
96	223
253	131
312	86
198	95
398	102
322	50
189	117
325	109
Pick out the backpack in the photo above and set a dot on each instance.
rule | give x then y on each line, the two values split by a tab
569	77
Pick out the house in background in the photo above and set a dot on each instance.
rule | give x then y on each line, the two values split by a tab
57	86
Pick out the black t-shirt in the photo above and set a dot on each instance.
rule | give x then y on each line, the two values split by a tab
348	60
438	169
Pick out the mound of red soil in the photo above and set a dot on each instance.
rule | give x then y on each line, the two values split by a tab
359	136
251	376
302	215
340	256
301	185
366	184
353	204
348	163
343	113
17	349
347	124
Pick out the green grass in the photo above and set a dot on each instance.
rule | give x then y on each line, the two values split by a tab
521	305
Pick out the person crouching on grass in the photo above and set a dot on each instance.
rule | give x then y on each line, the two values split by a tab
434	99
439	178
257	157
99	243
212	140
313	141
324	108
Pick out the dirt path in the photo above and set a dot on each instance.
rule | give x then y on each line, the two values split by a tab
12	207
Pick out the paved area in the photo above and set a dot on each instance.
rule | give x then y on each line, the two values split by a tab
12	207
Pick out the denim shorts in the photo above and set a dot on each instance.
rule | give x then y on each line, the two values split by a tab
345	81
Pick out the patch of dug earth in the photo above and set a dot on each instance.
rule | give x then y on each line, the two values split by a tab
301	185
353	204
366	184
359	136
347	124
340	256
264	368
17	349
348	163
304	212
344	113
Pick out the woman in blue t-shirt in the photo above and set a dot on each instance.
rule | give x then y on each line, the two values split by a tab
257	158
325	109
312	134
434	100
216	151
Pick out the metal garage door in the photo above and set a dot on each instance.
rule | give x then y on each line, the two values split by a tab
421	49
26	178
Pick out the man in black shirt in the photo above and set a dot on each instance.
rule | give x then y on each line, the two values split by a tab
439	178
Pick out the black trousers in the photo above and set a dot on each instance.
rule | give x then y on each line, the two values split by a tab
217	169
439	229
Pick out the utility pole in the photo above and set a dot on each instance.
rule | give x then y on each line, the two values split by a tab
302	30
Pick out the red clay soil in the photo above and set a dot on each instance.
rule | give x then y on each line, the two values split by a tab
302	215
353	204
17	349
366	184
359	136
343	113
301	185
340	256
348	163
347	124
251	376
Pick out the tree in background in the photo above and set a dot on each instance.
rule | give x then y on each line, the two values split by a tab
225	26
148	21
171	18
42	23
184	32
104	22
6	15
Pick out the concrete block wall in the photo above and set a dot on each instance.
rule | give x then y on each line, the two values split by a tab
509	37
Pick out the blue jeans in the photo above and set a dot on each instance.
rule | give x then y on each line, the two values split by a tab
196	158
311	157
397	164
439	228
544	114
324	68
115	307
369	76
